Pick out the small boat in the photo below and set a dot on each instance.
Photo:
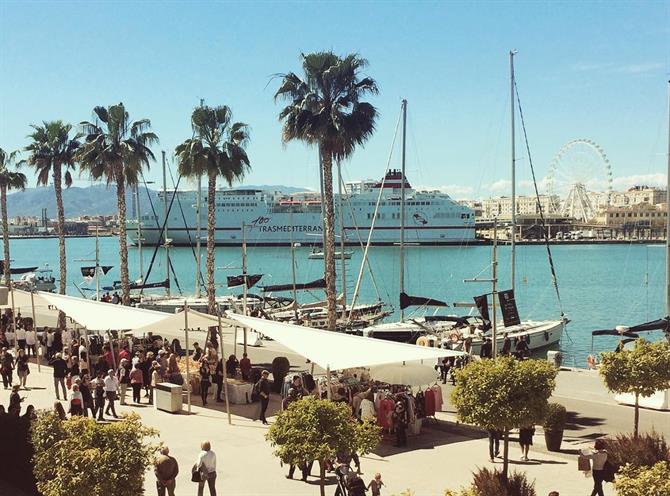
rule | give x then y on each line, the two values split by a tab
318	255
40	280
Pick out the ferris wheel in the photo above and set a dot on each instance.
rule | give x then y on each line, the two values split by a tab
581	176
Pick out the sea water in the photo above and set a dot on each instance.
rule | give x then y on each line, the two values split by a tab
600	286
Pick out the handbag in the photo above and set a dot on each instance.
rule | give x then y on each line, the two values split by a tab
583	463
196	476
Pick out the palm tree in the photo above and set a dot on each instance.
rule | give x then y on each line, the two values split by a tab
325	109
9	180
117	150
52	153
217	149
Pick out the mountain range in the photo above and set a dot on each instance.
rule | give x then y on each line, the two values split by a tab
91	200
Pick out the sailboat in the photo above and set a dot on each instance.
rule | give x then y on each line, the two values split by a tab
453	331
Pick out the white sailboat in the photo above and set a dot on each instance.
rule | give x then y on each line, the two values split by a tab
454	331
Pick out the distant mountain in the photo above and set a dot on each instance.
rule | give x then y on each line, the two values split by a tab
92	200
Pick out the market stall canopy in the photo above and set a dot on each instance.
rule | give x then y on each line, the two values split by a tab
173	325
99	316
338	350
406	373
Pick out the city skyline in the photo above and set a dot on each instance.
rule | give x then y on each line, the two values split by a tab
594	71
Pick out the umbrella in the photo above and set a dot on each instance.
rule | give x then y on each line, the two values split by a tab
408	374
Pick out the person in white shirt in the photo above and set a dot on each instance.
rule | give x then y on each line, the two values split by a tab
49	342
111	386
206	465
31	342
21	337
599	457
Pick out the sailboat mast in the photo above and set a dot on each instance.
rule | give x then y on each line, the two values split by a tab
165	220
294	292
513	229
341	214
244	269
198	201
97	265
494	289
139	230
667	225
402	205
198	204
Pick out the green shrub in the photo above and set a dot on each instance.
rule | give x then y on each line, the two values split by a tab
80	456
556	417
643	481
487	482
645	450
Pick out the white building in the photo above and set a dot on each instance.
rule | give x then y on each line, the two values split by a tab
525	205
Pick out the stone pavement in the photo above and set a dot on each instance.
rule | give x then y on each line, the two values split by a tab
443	456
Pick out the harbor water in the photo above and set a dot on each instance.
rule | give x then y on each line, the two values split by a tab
600	286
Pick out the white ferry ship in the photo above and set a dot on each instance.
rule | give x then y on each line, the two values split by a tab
276	219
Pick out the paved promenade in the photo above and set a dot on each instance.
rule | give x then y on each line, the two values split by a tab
443	456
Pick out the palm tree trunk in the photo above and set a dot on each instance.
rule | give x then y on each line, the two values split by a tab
329	237
58	188
211	225
5	233
123	243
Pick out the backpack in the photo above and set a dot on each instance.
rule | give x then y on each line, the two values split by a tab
256	391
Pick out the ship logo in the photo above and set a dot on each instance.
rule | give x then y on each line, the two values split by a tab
419	219
259	221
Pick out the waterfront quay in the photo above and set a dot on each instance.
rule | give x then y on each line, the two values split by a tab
442	456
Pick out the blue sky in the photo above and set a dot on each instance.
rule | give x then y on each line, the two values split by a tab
595	70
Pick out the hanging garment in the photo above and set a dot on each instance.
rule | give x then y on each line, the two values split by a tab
437	390
384	413
420	404
429	403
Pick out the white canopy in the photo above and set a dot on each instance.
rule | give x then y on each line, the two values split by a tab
337	350
99	316
173	325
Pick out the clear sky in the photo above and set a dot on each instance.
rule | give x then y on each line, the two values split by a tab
594	70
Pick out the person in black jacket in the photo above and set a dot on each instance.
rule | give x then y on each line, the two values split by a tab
486	351
60	372
263	387
205	380
218	379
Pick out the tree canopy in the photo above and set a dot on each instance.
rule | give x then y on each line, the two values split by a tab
640	371
318	430
504	393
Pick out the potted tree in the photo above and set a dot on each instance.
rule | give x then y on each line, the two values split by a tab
554	424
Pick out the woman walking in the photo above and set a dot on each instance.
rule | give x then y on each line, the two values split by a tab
205	380
526	440
22	368
6	367
598	457
136	382
206	467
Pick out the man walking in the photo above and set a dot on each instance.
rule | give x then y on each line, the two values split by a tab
6	367
60	372
111	387
166	471
263	387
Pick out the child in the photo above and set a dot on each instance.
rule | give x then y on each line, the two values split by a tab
376	485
